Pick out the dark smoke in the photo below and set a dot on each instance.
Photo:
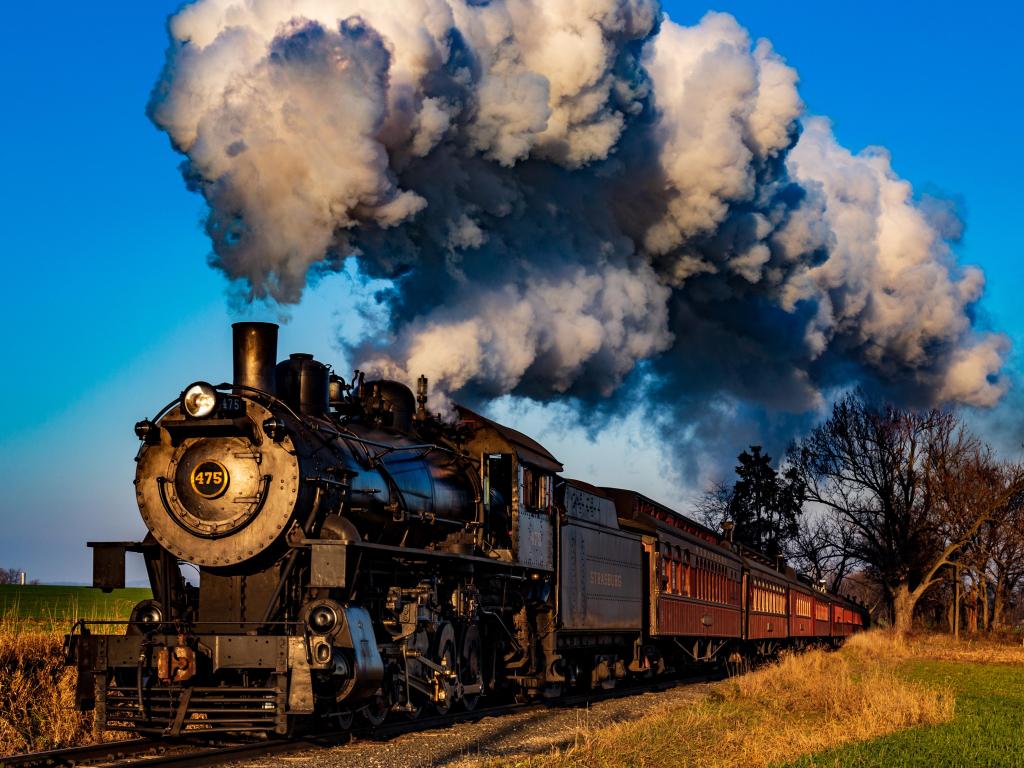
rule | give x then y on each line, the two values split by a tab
570	196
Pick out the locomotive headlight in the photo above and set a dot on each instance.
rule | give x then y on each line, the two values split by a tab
199	400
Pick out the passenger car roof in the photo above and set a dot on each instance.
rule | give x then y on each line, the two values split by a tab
648	513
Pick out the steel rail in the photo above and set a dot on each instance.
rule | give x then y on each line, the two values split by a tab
108	751
155	752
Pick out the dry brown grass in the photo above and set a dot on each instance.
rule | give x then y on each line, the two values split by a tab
936	647
800	705
979	650
37	692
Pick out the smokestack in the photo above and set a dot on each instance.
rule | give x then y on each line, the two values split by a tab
255	354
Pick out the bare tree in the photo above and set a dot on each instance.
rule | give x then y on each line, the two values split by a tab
994	558
821	549
908	484
1006	565
713	507
10	576
968	483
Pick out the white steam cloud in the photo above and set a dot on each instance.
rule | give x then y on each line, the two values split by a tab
566	194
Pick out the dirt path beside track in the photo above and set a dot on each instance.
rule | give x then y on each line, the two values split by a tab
506	738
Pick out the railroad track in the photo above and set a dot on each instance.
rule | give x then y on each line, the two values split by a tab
158	752
107	752
170	753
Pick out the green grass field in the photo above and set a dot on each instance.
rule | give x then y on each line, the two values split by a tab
987	732
49	603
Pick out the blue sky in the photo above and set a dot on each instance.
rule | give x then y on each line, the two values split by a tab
111	307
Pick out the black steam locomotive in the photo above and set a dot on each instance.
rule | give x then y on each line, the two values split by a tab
359	556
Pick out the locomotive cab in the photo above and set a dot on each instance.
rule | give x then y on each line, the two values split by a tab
517	478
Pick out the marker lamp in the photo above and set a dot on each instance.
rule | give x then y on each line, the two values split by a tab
199	400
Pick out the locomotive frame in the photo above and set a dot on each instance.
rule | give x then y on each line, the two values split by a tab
359	556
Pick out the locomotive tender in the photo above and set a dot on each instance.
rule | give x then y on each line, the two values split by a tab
358	556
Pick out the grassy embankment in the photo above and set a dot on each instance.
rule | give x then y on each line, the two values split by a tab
36	690
987	731
924	703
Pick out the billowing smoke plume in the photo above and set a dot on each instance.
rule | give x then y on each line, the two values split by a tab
567	194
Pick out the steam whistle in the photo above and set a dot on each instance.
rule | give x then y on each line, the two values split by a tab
421	399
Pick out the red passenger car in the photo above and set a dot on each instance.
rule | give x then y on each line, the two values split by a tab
696	591
767	614
695	585
822	623
839	625
801	612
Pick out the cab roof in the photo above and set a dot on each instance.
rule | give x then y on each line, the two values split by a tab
528	450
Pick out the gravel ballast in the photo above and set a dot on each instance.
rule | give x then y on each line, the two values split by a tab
465	745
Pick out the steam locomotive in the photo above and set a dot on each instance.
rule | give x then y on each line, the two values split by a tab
358	556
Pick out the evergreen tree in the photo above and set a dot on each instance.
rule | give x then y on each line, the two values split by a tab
764	504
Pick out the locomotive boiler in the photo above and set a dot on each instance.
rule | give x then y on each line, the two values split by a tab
320	548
